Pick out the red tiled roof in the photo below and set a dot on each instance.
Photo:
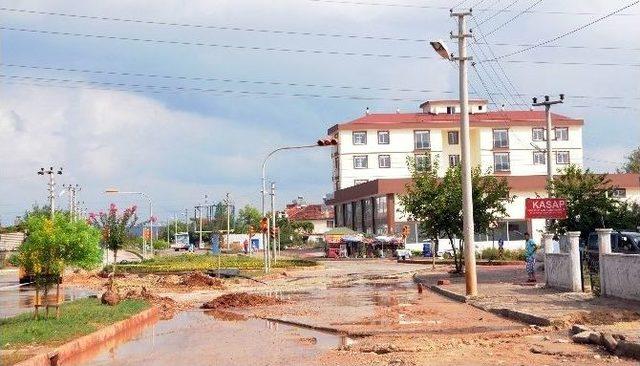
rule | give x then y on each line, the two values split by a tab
309	212
413	120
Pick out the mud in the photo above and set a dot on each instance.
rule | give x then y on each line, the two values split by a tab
601	317
240	300
199	279
166	305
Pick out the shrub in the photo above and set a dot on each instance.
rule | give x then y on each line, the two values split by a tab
493	254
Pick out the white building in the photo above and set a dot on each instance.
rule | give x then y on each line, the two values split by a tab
321	216
370	162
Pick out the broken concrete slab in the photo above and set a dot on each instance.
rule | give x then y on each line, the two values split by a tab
584	337
579	328
609	342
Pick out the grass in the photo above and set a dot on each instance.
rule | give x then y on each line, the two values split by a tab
77	318
202	262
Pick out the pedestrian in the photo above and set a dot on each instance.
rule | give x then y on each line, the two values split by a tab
500	248
530	248
191	247
555	244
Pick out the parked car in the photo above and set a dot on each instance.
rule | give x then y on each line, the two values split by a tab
181	242
625	242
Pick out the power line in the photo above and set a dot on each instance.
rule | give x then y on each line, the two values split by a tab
78	84
415	6
607	48
512	19
288	50
264	82
217	45
499	12
224	80
570	32
214	27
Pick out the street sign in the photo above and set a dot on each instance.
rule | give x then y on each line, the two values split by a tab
545	208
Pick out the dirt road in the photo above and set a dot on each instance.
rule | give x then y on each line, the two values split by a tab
347	313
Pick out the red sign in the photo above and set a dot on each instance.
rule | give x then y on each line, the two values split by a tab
545	208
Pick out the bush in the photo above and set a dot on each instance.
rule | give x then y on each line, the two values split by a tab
493	254
161	244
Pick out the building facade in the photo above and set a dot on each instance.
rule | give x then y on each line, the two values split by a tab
321	216
370	162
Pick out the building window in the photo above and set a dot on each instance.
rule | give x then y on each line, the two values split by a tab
454	137
359	137
383	137
359	181
454	160
329	223
451	110
562	133
479	107
539	158
423	162
501	138
562	157
384	161
360	161
619	192
422	140
538	134
501	162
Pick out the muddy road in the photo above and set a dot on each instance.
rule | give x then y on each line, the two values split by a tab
347	313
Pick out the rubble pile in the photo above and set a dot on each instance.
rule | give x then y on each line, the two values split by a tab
242	299
199	279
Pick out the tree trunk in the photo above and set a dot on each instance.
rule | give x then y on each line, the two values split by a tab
113	272
456	260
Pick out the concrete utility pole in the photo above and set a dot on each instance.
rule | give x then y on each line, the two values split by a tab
228	202
51	187
467	198
73	189
547	108
273	218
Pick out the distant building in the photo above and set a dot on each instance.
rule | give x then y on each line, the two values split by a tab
320	215
370	162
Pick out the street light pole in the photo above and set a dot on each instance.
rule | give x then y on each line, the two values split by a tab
320	143
51	187
547	108
228	201
273	218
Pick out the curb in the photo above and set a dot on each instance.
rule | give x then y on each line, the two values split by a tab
517	315
62	353
479	263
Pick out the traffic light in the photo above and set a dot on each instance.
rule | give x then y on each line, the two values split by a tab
327	142
264	224
251	231
405	231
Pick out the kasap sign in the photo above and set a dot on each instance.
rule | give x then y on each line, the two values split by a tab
545	208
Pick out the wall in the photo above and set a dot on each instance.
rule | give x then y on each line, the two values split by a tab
556	266
621	273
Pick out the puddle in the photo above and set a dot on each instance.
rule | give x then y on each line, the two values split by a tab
221	338
17	300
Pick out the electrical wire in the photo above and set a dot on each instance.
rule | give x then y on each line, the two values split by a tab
217	45
204	26
499	12
414	6
568	33
289	50
512	19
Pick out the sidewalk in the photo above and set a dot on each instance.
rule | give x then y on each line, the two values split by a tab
503	290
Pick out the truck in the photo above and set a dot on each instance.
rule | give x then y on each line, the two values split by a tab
180	242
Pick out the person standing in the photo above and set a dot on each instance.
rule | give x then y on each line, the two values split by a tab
500	248
530	248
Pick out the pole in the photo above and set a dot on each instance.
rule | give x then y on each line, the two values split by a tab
547	103
52	199
228	221
151	224
200	236
273	219
467	198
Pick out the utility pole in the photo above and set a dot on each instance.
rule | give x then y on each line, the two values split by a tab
471	279
273	219
200	233
228	202
73	189
51	187
547	108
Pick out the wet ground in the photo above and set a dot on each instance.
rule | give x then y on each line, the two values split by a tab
205	338
347	313
16	299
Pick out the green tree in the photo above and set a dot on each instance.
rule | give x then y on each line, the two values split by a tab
55	243
248	216
632	163
626	215
437	203
115	228
589	204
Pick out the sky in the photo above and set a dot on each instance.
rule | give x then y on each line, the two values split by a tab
187	100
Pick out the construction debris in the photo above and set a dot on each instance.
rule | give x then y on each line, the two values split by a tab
242	299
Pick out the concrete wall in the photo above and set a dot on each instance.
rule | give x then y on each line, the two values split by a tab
556	266
621	275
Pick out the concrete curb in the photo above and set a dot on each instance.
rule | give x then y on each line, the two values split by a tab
78	345
517	315
479	263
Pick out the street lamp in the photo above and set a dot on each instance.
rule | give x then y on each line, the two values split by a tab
471	279
116	191
320	143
